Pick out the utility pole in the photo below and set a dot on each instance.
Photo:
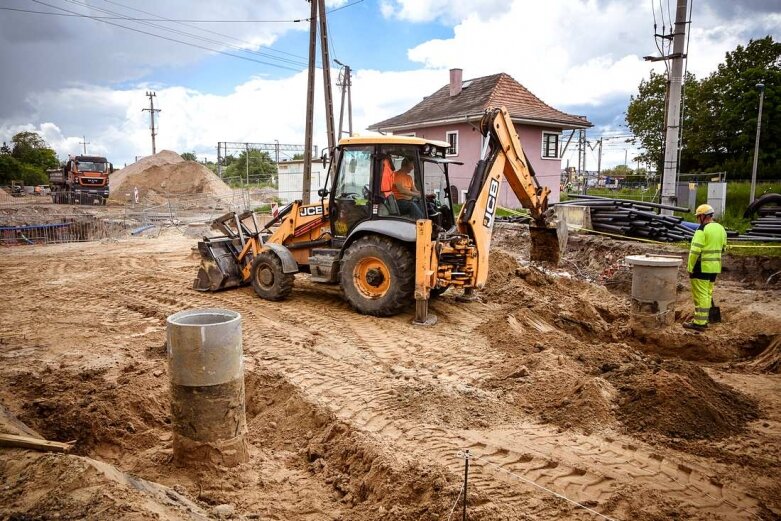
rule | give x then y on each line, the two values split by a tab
599	162
85	143
673	116
152	110
329	99
582	160
310	104
349	101
219	159
761	87
345	82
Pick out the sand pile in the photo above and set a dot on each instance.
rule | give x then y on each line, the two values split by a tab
571	362
679	400
164	174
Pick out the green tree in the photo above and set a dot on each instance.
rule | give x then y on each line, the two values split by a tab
645	117
189	156
720	116
26	159
30	148
262	168
13	170
617	171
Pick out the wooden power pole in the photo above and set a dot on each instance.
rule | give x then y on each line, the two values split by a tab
310	104
317	5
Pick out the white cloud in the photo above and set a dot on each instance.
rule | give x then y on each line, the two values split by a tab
444	10
571	53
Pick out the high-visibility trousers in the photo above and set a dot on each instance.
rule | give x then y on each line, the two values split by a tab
702	292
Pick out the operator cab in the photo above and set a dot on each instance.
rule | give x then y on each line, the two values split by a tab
390	178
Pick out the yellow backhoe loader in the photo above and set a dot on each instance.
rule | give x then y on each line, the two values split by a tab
383	244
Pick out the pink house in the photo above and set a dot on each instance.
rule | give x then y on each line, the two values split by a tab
453	114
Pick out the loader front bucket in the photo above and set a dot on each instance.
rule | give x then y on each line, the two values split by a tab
219	269
547	242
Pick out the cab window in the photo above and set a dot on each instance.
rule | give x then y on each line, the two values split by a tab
405	198
352	188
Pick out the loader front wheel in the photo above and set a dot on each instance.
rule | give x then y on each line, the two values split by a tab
268	280
378	276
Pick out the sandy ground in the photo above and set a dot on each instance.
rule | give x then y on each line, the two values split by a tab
359	418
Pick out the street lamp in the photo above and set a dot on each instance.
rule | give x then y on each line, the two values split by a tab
761	87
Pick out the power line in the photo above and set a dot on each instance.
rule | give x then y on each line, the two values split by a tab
187	20
172	39
162	18
190	35
183	21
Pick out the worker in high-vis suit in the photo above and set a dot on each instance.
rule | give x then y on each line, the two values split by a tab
707	245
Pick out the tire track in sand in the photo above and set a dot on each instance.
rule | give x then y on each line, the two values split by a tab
347	372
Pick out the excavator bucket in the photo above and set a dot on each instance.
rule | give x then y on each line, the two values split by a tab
219	269
547	242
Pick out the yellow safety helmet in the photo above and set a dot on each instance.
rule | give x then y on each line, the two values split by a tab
704	209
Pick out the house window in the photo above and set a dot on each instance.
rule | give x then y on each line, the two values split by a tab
550	145
452	138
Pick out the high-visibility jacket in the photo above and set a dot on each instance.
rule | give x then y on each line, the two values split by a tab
707	245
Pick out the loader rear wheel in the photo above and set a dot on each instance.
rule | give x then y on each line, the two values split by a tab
378	276
268	280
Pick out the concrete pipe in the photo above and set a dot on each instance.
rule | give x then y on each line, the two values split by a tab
654	290
207	387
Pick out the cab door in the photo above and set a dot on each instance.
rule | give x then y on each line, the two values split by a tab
350	198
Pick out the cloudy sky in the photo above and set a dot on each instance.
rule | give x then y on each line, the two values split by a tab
236	71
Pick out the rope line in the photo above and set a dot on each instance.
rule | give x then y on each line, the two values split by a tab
530	482
456	503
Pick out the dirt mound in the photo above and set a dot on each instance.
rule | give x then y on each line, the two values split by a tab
166	173
99	415
164	157
679	400
571	361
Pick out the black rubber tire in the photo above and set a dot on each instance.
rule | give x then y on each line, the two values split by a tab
268	280
760	202
400	264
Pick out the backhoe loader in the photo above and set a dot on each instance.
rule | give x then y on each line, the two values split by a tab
366	233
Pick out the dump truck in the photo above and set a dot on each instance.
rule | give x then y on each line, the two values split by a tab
82	180
385	246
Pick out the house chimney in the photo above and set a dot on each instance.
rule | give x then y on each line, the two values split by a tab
455	81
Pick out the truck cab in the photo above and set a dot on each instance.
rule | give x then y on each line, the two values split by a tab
84	180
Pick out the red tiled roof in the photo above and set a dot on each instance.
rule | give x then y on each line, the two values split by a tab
475	97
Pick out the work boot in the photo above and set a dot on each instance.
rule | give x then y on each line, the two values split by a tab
695	327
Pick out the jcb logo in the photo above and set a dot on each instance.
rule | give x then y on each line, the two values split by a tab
309	211
490	206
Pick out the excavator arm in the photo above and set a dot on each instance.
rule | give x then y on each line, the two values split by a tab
503	157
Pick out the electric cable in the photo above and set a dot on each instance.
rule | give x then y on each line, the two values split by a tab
174	39
190	35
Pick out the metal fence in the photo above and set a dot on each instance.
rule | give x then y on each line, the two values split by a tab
33	220
62	229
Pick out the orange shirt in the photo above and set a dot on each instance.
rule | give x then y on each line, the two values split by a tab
406	182
386	183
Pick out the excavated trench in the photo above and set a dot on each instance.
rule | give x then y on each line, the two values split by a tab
121	416
46	226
